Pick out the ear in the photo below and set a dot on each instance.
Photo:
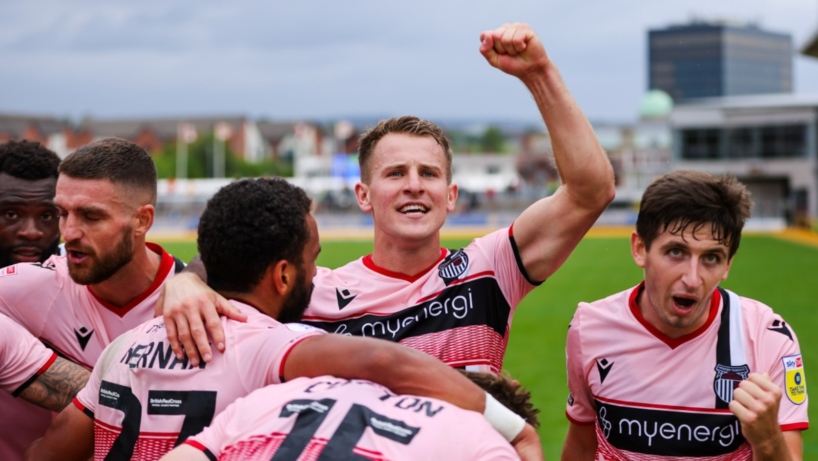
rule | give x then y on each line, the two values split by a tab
282	275
143	219
451	197
362	195
727	269
638	250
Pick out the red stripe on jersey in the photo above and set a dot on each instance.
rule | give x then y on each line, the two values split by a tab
367	260
195	445
141	433
166	264
794	427
47	364
578	422
82	408
66	355
664	407
286	355
715	300
78	404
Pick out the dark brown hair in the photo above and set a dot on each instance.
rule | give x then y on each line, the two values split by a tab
406	124
117	160
684	198
508	392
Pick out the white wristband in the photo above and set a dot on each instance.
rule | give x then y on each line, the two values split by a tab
505	421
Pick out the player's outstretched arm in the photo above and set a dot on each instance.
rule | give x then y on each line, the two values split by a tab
755	404
580	443
191	311
403	371
70	437
54	388
548	230
398	368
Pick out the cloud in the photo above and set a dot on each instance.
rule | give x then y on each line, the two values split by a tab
326	58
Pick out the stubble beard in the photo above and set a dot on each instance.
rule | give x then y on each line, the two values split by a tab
101	268
295	304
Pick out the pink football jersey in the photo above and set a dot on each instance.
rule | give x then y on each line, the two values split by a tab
458	310
351	420
69	318
652	397
145	401
22	359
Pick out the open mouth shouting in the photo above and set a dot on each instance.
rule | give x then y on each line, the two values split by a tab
684	303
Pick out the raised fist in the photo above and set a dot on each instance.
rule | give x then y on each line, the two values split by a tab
514	49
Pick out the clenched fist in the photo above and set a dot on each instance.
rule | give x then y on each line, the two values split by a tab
514	49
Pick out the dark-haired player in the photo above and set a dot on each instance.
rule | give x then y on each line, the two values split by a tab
359	419
29	230
456	305
258	242
109	279
677	367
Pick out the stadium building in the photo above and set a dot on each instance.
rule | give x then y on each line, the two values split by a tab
770	142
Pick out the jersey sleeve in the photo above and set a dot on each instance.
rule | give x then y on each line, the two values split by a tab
27	291
267	350
781	358
22	357
500	247
580	408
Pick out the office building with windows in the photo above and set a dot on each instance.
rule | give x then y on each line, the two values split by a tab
770	142
710	59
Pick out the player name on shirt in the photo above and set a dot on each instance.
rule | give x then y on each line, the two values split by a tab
155	354
403	402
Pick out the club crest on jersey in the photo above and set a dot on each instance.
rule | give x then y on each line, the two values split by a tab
727	380
453	267
8	270
795	380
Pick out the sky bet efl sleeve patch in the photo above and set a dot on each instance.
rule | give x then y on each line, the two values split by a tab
796	382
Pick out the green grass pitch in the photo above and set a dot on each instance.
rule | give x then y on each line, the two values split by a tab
773	271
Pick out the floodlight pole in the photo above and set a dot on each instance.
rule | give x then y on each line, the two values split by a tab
181	154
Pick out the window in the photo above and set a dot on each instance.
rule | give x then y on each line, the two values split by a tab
698	144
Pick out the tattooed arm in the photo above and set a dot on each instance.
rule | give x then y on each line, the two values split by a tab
57	386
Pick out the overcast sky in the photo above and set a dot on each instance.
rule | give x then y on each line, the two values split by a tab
324	59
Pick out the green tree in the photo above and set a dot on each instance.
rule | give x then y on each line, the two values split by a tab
200	162
493	140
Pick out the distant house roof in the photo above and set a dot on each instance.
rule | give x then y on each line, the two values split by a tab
164	129
16	125
275	131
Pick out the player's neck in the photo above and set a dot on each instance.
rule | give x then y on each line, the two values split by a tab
407	258
264	303
131	280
